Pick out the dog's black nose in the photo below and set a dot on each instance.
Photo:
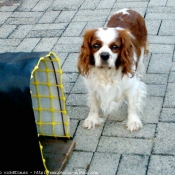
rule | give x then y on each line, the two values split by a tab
104	56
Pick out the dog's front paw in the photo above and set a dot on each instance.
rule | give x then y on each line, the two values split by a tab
91	122
134	124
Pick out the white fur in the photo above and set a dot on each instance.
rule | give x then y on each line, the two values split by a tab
124	11
107	89
141	66
120	28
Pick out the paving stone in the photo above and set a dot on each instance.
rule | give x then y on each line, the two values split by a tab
153	26
125	145
87	140
77	100
161	48
27	15
65	16
161	9
27	5
120	114
73	126
105	4
157	3
21	20
5	16
163	60
164	141
42	5
45	44
152	109
156	79
80	86
156	90
68	40
7	49
66	5
74	29
171	77
8	45
10	42
50	26
167	115
90	18
93	15
96	132
117	129
158	9
93	25
133	165
62	57
6	30
69	77
80	159
173	67
93	12
147	60
68	44
21	31
161	165
47	30
130	5
69	80
161	39
68	87
78	112
167	28
109	161
90	4
170	3
67	48
27	45
162	16
44	33
11	8
71	63
49	17
170	96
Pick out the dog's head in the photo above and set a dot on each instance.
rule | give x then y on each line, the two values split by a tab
107	47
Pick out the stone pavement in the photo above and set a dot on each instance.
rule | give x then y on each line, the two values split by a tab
58	25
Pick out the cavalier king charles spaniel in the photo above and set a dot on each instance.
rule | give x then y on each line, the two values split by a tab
112	62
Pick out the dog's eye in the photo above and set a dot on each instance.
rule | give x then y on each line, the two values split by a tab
114	47
96	46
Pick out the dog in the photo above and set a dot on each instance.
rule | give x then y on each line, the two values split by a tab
111	60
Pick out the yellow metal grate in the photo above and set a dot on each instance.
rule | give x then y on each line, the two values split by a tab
49	102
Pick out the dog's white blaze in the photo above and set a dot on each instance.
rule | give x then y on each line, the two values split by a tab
107	35
124	11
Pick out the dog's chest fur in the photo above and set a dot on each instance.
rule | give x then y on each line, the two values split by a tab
108	86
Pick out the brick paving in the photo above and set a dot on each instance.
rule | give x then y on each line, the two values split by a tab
57	25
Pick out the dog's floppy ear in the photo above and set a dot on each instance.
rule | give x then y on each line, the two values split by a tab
85	57
126	55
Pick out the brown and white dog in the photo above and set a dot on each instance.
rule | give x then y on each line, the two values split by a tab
112	62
